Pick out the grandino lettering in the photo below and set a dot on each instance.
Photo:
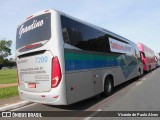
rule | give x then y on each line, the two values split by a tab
34	25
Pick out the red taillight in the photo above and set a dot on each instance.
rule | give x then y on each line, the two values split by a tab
56	72
32	46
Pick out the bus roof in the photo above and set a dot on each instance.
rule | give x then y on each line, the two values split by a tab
61	13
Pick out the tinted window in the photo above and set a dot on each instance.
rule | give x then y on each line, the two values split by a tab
83	36
34	30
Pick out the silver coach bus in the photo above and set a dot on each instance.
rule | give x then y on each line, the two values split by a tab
62	60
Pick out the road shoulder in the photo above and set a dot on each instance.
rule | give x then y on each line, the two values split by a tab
12	103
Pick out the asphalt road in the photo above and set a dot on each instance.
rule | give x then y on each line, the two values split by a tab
135	95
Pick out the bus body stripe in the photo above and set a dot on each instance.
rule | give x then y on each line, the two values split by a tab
89	64
78	61
77	56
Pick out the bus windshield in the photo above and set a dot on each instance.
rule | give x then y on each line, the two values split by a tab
34	30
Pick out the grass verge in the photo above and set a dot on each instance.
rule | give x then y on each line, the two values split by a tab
8	92
8	76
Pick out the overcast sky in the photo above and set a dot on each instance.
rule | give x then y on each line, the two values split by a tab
137	20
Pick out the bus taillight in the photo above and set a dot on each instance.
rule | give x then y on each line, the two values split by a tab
56	72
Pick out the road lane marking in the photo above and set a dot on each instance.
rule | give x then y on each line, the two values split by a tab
141	81
8	107
93	114
23	107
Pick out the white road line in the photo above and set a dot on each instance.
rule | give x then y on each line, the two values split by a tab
141	81
144	78
23	107
153	73
15	105
93	114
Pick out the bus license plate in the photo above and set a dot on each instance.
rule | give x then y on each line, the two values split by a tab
32	85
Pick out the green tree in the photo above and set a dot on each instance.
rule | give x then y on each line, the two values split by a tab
1	60
5	50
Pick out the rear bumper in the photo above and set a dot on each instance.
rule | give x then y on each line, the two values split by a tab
50	98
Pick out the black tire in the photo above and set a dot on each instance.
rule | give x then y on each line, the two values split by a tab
140	74
108	87
149	69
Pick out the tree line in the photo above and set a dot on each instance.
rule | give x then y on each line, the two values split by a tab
5	51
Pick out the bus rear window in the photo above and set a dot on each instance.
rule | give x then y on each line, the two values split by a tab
34	30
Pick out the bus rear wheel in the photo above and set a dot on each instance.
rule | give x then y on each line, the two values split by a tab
108	87
139	73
